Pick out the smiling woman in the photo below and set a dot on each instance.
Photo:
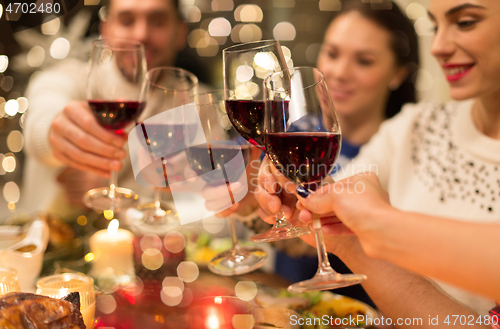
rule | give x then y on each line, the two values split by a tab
434	159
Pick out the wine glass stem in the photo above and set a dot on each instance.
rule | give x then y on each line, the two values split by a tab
157	199
232	231
324	266
113	183
281	220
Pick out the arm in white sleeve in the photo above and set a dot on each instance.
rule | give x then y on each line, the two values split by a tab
48	93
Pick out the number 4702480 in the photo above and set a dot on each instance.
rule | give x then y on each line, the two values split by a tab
31	8
470	320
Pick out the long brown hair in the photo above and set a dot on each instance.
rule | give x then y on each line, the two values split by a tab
404	45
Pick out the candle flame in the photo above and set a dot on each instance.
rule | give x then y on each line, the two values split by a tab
113	227
212	320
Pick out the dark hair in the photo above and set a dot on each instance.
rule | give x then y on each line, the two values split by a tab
404	44
175	2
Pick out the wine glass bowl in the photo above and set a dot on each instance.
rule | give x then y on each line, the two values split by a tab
245	68
220	162
161	138
117	71
303	140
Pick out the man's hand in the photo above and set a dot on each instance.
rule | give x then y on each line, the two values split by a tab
248	204
79	141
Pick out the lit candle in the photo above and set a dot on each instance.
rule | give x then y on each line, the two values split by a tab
112	250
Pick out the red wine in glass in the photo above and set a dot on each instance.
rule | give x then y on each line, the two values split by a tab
116	115
298	158
247	117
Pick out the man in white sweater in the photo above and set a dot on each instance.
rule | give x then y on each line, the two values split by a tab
64	142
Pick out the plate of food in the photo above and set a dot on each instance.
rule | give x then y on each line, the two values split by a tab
310	310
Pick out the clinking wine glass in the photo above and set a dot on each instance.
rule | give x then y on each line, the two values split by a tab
161	135
302	138
245	67
117	71
221	161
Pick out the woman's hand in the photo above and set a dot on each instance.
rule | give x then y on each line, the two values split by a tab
356	205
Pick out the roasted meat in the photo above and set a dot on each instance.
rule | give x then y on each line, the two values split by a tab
19	310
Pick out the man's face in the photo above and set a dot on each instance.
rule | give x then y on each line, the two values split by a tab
155	23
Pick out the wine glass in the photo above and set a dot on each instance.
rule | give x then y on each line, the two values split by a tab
60	285
117	71
221	161
245	67
303	139
160	135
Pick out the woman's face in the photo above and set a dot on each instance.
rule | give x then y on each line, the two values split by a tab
467	45
358	64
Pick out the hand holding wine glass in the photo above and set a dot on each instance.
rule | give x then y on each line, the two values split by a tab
117	70
302	138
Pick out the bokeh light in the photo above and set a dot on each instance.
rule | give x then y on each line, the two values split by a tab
284	31
150	241
170	300
219	27
244	73
2	171
23	104
246	290
330	5
9	163
423	26
7	83
188	271
1	10
312	52
213	224
4	63
35	56
59	48
11	107
192	14
105	303
207	47
51	25
174	242
222	5
11	192
415	11
15	141
152	259
249	33
108	214
187	298
248	13
173	286
196	35
243	321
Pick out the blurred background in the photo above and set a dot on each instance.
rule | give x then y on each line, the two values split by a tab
214	25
